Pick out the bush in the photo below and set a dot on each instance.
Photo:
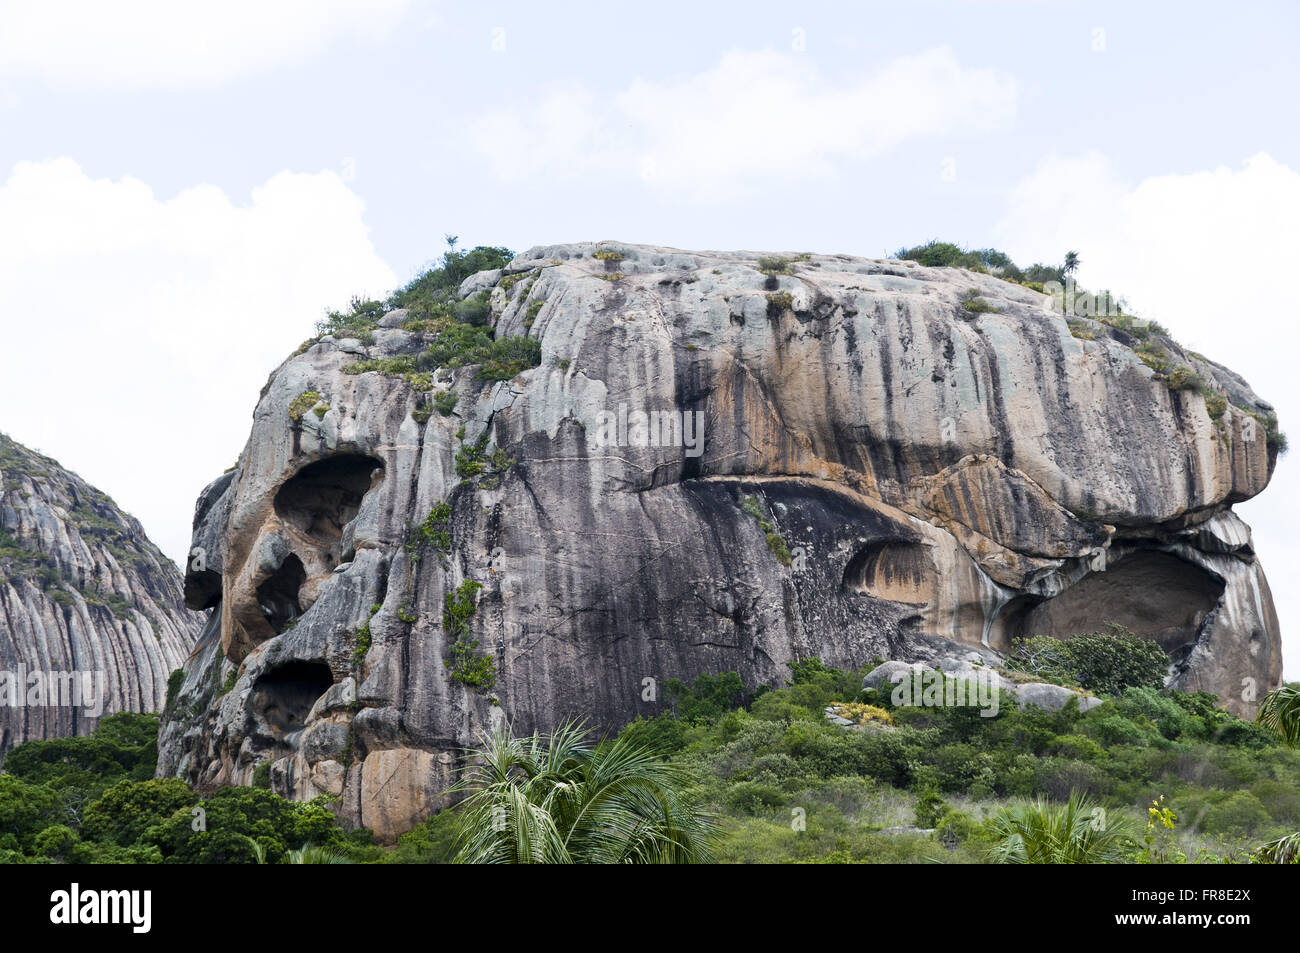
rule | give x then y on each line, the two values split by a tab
445	402
1241	813
750	797
707	698
1106	662
129	808
930	808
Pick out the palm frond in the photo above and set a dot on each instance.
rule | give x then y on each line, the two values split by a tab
1280	711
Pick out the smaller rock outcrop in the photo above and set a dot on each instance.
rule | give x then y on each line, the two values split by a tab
92	618
974	677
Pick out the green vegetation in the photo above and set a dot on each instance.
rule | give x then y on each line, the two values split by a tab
464	335
1107	662
559	799
445	402
606	255
94	800
774	266
778	303
1279	711
1076	832
303	403
937	254
971	301
791	786
761	775
775	541
534	309
474	462
434	531
468	666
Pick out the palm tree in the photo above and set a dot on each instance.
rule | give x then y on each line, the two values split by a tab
1280	711
1076	832
309	854
557	799
1072	263
1284	850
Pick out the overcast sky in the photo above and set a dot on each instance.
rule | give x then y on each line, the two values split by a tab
185	188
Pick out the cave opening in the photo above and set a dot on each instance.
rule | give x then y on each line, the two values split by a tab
323	497
278	595
1156	595
284	696
897	570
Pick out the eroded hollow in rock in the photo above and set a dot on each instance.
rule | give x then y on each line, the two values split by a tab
284	696
202	589
897	570
278	596
1156	595
323	497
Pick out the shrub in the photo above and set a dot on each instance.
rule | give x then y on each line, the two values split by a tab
445	402
1240	813
129	808
435	529
1101	662
467	665
1216	405
971	301
1183	377
506	358
534	309
751	797
303	403
707	698
363	314
778	303
930	808
475	310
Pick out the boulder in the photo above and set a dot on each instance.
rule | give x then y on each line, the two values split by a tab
715	466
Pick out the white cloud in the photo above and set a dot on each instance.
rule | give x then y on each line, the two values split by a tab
142	43
754	116
1210	255
139	331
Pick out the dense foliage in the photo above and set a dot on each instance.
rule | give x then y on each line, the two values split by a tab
463	327
791	786
1107	662
560	799
95	800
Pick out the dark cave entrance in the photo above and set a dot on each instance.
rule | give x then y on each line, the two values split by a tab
278	596
1156	595
323	497
284	696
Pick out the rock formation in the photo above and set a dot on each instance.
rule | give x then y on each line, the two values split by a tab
893	459
92	619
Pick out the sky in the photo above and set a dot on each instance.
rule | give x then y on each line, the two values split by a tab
185	189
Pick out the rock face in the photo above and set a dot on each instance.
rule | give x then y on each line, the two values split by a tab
92	618
846	458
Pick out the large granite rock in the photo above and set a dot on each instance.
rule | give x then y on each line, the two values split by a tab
884	472
92	620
